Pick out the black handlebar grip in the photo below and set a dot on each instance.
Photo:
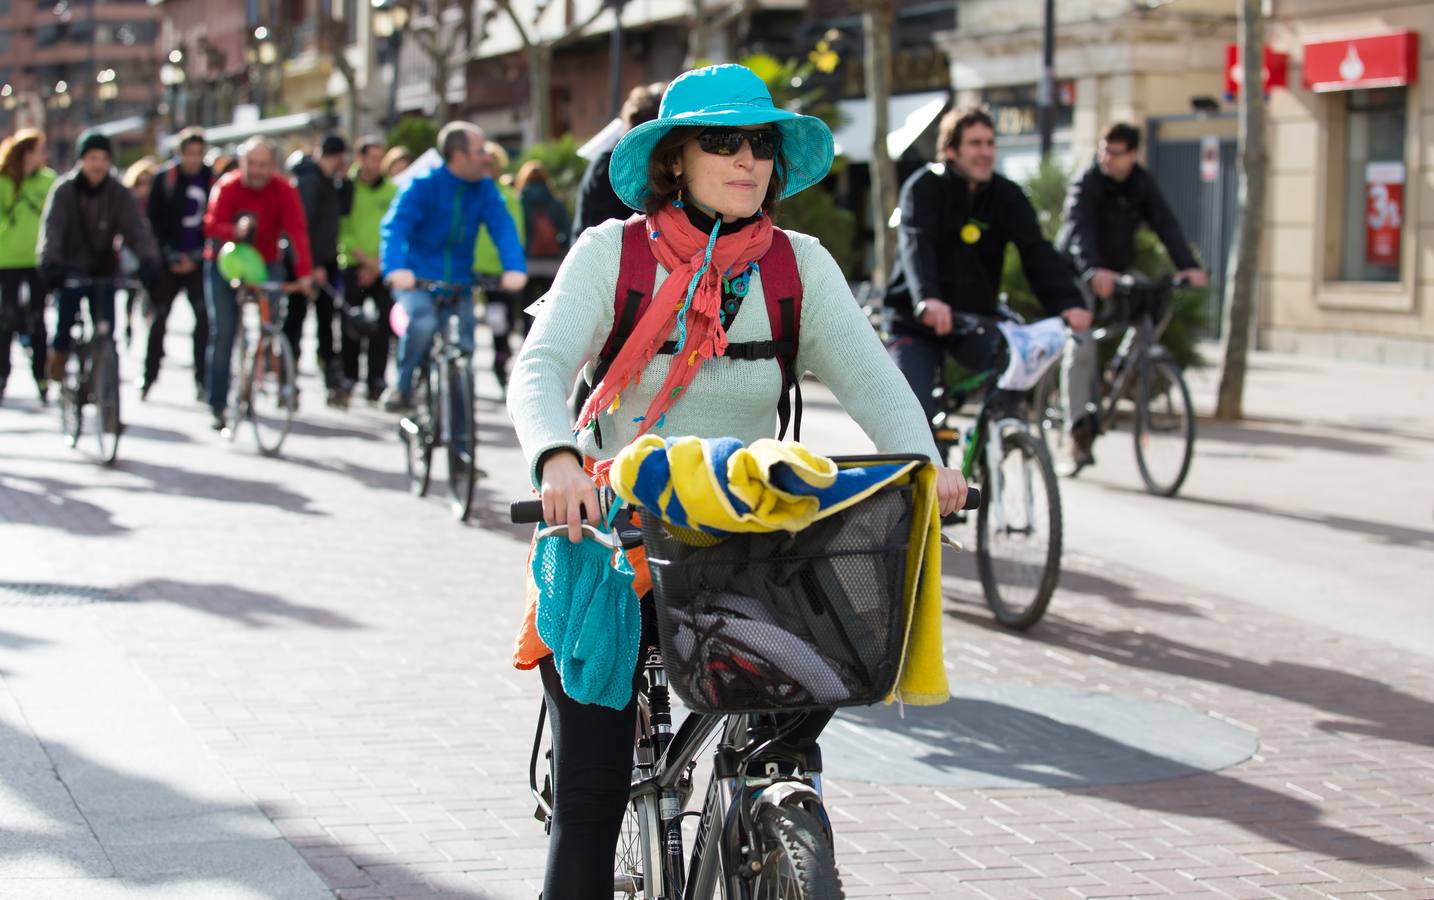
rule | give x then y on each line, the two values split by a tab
973	501
526	512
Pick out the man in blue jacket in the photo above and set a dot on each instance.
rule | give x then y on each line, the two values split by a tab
429	233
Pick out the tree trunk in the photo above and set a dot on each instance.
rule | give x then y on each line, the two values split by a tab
440	88
540	98
697	34
1242	282
876	26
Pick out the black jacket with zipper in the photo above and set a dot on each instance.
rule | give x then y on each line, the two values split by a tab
1102	214
167	204
934	260
81	221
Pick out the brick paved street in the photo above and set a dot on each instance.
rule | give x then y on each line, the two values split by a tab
261	678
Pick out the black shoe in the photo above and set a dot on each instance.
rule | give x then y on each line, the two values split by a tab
200	393
216	420
144	390
2	390
1078	447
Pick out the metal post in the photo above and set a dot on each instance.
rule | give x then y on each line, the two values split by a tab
395	49
1047	95
614	84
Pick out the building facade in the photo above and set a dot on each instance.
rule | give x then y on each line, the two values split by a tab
1348	264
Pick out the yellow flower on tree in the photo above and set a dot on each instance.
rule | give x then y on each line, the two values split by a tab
824	58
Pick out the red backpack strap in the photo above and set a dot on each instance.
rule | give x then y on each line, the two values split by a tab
636	273
782	288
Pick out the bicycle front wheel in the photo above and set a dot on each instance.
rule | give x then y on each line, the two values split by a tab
461	437
270	390
1018	532
1164	426
104	381
796	859
1050	414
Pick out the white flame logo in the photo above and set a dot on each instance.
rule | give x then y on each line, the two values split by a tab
1353	67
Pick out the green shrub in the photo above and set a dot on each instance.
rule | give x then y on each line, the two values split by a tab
415	133
815	212
1047	188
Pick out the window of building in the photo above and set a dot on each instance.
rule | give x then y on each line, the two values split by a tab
1373	183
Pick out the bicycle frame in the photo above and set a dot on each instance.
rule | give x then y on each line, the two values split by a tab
1139	342
985	436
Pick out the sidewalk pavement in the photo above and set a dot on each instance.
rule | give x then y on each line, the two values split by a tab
229	676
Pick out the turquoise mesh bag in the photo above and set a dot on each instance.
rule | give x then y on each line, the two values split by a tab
588	616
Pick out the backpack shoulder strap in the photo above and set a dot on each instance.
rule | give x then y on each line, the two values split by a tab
636	273
782	289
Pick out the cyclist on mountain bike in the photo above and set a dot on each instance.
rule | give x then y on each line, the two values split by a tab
86	210
1104	206
429	233
250	204
956	218
708	174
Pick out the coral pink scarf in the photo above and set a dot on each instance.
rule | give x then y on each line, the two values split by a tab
690	298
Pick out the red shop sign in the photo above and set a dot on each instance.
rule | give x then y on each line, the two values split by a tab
1385	60
1383	212
1276	70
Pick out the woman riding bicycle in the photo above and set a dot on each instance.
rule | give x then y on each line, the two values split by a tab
707	174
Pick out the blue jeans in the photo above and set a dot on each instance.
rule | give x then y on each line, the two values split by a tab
223	323
101	302
423	323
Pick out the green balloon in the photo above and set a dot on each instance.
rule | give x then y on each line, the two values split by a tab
241	262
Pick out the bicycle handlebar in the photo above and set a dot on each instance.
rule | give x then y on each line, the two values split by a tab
530	512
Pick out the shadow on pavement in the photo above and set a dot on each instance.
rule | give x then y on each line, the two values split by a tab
1258	433
50	505
250	608
395	480
174	481
310	428
151	433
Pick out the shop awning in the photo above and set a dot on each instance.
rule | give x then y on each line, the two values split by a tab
235	132
604	140
120	126
910	114
1382	60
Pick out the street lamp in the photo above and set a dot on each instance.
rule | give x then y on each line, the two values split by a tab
172	76
390	19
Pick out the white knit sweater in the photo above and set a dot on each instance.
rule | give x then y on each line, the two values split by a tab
727	398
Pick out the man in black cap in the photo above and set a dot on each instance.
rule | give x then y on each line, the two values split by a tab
86	210
327	195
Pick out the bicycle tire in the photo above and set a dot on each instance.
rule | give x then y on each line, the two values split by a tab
797	861
72	396
1050	415
270	390
1160	383
105	391
1019	592
460	435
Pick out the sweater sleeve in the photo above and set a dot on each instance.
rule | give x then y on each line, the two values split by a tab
219	217
919	234
572	324
839	346
1051	278
398	224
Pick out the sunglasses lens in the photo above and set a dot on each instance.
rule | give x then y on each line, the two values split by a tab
728	142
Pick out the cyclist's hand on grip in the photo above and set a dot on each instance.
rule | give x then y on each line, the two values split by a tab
1077	318
1194	277
936	315
569	495
402	279
950	490
1102	282
512	282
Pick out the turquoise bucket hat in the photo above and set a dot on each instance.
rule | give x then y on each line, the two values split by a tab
722	95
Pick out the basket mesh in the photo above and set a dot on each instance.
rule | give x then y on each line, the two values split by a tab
766	622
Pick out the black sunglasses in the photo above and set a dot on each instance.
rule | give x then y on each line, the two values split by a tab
728	142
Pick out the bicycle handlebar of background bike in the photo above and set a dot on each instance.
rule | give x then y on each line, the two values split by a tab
530	512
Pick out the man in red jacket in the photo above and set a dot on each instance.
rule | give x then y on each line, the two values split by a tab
249	204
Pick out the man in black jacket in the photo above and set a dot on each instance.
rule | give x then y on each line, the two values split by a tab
597	201
327	195
956	218
177	201
1104	206
86	210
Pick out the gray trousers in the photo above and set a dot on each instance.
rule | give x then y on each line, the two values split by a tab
1078	369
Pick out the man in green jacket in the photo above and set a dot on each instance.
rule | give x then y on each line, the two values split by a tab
501	308
366	298
25	181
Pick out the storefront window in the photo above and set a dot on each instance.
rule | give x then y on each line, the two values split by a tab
1374	184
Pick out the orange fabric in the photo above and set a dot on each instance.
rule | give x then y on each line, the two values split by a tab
529	649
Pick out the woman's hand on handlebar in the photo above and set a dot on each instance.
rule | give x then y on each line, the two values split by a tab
569	495
950	490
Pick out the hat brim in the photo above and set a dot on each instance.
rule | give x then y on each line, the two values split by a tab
807	147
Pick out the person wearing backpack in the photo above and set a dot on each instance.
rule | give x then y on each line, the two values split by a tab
545	226
25	181
690	320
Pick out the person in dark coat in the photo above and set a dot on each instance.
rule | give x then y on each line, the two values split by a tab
957	217
1104	206
597	201
327	195
177	201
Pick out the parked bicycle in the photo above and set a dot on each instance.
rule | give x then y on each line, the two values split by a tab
92	375
1141	386
264	391
1019	529
763	831
443	402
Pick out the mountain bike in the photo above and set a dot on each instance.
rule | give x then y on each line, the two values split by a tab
263	389
763	832
1141	385
1019	528
443	402
92	375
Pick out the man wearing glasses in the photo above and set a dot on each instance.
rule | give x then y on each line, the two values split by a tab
429	233
1103	208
